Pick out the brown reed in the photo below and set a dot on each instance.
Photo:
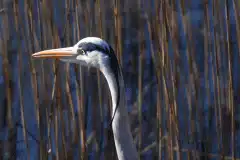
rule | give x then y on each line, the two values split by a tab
159	128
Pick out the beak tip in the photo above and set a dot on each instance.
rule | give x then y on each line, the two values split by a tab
34	55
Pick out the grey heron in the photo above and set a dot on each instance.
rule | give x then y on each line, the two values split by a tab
95	52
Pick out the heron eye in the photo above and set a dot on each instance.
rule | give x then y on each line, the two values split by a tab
81	51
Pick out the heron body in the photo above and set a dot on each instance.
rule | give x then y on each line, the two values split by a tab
95	52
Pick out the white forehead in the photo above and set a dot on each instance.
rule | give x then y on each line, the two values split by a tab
94	40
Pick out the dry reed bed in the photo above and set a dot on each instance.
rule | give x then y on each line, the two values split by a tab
183	119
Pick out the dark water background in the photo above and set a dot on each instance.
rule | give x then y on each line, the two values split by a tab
130	58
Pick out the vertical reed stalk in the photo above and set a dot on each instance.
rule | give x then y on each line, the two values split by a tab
236	8
159	71
63	129
72	127
170	151
117	25
230	81
80	118
30	37
42	13
216	75
206	67
82	147
76	138
3	108
59	101
190	57
163	61
237	19
175	76
99	80
173	109
80	104
158	67
21	95
11	143
140	75
49	118
56	125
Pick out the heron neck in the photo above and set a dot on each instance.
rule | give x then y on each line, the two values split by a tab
126	149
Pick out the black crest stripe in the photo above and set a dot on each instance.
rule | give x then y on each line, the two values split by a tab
116	71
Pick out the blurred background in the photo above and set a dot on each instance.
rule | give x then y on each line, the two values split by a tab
180	61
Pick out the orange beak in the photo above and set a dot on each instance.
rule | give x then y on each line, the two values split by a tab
55	53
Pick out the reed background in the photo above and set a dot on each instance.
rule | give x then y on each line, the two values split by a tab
180	61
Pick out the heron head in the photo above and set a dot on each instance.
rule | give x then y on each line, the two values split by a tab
90	51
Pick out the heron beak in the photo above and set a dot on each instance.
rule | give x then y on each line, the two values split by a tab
55	53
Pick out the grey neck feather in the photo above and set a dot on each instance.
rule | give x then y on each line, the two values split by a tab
126	149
